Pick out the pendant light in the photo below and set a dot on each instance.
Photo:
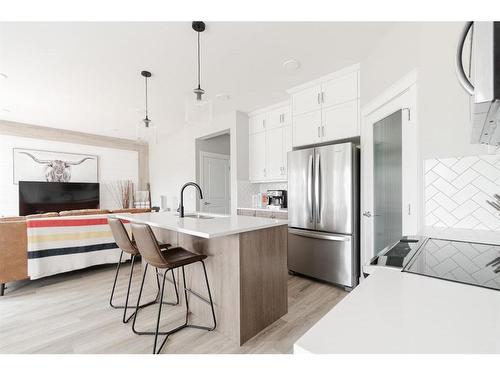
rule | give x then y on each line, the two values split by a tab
146	129
198	108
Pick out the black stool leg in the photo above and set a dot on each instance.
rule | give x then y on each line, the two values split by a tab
2	290
209	295
159	313
185	325
114	283
125	319
159	295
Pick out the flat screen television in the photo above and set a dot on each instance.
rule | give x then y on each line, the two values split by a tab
39	197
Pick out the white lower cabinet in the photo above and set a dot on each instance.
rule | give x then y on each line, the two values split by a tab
257	156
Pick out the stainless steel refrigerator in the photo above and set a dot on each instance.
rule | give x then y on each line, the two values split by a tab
323	217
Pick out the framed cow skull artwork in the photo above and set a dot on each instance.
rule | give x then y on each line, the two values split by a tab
50	166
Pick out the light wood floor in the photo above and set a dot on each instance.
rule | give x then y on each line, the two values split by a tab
70	313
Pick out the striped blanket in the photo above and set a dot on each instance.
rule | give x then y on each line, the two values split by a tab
67	243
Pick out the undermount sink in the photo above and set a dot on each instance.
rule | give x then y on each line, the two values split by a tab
199	216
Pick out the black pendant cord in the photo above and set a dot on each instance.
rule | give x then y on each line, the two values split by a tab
199	75
146	78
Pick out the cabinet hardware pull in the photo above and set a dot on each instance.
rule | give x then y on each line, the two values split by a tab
322	97
318	132
263	123
323	131
318	98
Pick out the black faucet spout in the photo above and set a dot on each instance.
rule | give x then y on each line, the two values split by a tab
181	206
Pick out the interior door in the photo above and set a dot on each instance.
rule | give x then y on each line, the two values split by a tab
214	181
334	188
300	189
402	107
387	181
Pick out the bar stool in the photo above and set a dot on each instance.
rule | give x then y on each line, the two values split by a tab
128	246
176	257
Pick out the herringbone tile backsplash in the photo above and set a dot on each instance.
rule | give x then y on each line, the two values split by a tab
456	190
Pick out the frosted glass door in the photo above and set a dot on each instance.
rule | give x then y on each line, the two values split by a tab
387	181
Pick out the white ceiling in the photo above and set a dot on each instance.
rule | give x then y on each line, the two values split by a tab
86	76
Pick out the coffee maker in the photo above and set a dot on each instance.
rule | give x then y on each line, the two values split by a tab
277	198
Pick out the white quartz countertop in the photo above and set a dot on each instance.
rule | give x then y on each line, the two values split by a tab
397	312
207	228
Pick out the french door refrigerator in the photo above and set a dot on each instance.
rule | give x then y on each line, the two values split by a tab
323	219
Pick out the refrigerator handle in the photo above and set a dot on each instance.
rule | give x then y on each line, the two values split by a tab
310	189
317	187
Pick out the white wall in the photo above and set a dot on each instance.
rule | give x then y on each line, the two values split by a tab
173	159
443	109
114	164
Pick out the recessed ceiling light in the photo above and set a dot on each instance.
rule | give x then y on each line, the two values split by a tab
4	76
223	97
291	65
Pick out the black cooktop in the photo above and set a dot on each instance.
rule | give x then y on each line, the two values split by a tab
465	262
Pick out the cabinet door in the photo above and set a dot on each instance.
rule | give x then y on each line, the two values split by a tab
339	90
306	129
274	154
306	100
257	156
340	121
287	146
257	123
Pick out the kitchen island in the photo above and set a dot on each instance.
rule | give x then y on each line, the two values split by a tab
246	266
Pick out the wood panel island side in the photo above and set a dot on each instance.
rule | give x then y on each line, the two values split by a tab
246	266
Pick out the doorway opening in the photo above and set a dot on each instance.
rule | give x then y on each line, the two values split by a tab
213	162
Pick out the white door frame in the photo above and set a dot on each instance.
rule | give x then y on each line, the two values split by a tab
204	154
400	96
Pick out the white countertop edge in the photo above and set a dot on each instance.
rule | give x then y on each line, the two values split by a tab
263	209
130	217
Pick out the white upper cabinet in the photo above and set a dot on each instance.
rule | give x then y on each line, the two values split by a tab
257	123
257	156
270	140
307	128
326	109
274	153
307	100
278	117
340	121
339	90
287	146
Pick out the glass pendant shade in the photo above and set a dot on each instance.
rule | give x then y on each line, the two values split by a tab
147	133
198	111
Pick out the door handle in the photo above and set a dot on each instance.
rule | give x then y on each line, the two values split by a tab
310	189
367	214
206	203
317	187
320	236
